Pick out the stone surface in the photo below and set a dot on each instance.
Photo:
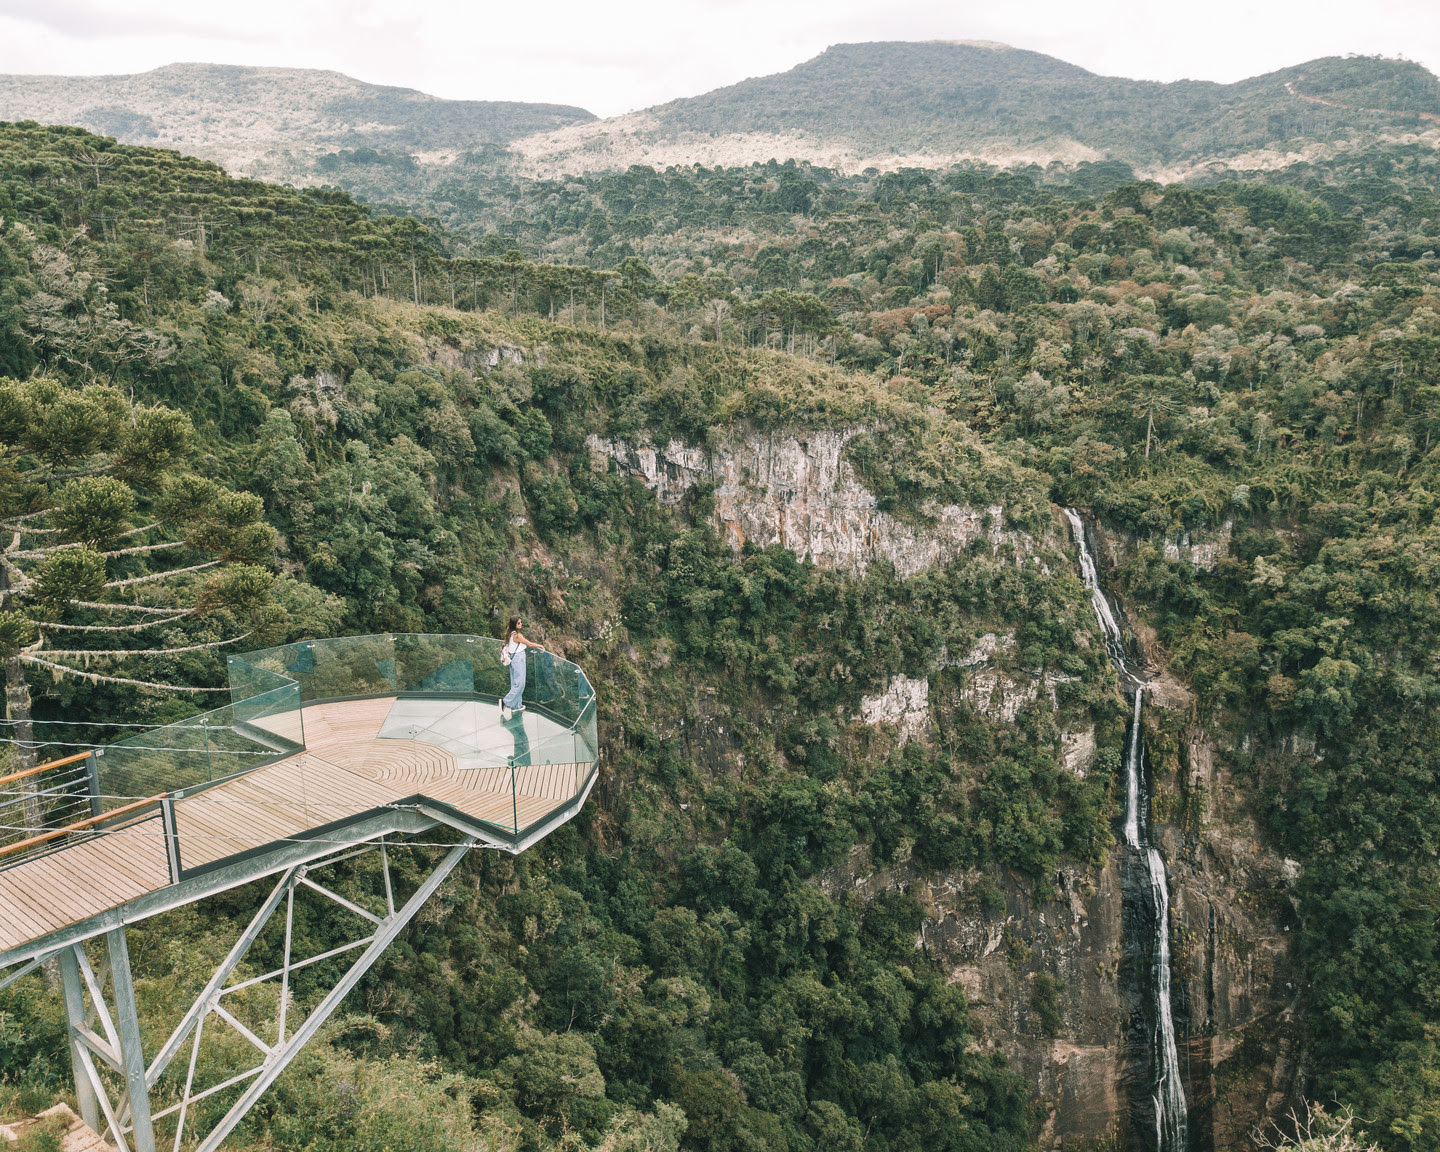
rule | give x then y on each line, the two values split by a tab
1077	750
905	703
75	1135
799	492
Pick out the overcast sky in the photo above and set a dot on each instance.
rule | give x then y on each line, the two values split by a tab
626	54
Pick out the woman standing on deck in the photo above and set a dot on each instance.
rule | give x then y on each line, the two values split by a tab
513	655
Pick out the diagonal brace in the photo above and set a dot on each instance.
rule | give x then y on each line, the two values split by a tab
284	1053
213	988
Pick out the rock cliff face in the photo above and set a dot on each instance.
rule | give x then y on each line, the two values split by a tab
1047	974
1047	977
799	492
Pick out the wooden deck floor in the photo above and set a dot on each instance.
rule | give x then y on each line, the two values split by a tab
345	770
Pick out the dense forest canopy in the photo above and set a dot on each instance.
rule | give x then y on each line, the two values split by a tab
409	406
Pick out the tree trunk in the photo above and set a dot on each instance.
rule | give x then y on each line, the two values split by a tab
1149	425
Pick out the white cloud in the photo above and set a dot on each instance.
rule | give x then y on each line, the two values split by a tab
615	57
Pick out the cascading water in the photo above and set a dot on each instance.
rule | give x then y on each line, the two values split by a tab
1167	1095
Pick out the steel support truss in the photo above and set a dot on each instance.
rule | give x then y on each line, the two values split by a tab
115	1084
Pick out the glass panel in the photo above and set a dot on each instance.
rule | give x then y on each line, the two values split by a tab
333	669
203	748
436	663
448	690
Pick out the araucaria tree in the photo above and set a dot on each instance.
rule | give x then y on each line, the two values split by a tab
116	561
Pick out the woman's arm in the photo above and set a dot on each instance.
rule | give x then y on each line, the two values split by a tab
528	643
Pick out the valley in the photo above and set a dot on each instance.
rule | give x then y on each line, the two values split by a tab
886	853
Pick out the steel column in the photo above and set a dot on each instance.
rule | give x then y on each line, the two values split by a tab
74	993
132	1051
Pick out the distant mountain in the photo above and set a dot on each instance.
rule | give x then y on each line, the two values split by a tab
929	104
855	105
277	123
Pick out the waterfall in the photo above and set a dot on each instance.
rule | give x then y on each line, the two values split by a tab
1167	1093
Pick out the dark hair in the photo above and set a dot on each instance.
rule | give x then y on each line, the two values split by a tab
512	628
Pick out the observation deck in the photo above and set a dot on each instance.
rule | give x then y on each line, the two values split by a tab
325	744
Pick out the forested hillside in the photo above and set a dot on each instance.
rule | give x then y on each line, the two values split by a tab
677	968
943	97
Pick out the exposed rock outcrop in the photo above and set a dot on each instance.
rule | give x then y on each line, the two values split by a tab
1045	975
1043	964
904	703
800	492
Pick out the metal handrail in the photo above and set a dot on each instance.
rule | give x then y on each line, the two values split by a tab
79	826
42	767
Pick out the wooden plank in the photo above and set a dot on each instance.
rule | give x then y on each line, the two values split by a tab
120	849
367	792
10	921
240	810
78	890
34	907
100	878
232	824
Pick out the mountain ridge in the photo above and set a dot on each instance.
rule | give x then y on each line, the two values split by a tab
933	103
271	122
884	105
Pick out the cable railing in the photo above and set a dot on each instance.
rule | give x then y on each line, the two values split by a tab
35	800
445	689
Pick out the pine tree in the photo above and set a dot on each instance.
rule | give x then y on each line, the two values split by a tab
115	554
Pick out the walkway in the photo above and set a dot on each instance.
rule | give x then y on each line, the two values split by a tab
361	756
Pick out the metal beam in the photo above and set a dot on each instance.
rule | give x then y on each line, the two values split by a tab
97	1086
214	985
74	993
400	821
353	907
132	1051
24	970
285	1052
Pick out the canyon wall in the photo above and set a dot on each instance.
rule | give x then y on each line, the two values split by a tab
1045	972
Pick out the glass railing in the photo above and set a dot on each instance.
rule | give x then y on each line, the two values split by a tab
419	666
447	690
239	737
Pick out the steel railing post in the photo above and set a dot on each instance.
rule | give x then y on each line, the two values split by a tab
92	778
172	837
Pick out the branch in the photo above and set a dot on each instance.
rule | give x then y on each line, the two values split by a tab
88	652
17	578
36	473
96	678
36	553
113	627
144	548
120	607
26	516
161	575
